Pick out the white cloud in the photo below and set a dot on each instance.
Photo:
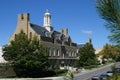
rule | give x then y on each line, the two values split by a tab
87	31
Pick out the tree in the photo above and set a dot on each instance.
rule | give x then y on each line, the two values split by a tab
87	55
110	11
27	56
69	76
109	51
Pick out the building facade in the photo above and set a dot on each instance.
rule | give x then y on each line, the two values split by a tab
62	51
2	60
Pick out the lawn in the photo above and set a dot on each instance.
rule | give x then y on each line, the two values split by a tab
115	77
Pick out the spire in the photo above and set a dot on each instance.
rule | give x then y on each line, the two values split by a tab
47	21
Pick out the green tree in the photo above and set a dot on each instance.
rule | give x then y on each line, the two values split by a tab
110	11
109	51
27	56
69	76
87	55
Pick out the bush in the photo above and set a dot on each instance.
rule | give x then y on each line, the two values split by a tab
90	67
35	73
59	71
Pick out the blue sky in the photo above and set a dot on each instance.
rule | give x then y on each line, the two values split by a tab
79	16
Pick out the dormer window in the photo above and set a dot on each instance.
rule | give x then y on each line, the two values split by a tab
62	37
47	34
43	31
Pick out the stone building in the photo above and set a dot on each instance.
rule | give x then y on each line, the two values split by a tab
2	60
62	51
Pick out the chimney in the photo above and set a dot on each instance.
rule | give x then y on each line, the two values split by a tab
65	31
26	16
23	18
90	40
61	31
23	22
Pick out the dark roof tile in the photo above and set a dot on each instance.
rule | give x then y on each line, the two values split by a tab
45	33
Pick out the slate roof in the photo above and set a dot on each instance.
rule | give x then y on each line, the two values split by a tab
45	33
80	45
39	29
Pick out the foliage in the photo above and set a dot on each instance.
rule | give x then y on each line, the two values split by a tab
118	58
116	73
109	51
110	11
6	71
59	71
69	76
90	67
28	57
87	56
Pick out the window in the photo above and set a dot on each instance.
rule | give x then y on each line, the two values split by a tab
63	55
15	36
24	34
50	52
47	34
22	17
72	54
75	54
69	54
58	52
54	52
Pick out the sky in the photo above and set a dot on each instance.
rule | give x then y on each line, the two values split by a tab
79	16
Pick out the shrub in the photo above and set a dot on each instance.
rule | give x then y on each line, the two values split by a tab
59	71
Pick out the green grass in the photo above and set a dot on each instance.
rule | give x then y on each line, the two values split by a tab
114	77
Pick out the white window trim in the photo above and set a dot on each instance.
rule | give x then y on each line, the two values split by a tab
54	53
58	52
50	54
